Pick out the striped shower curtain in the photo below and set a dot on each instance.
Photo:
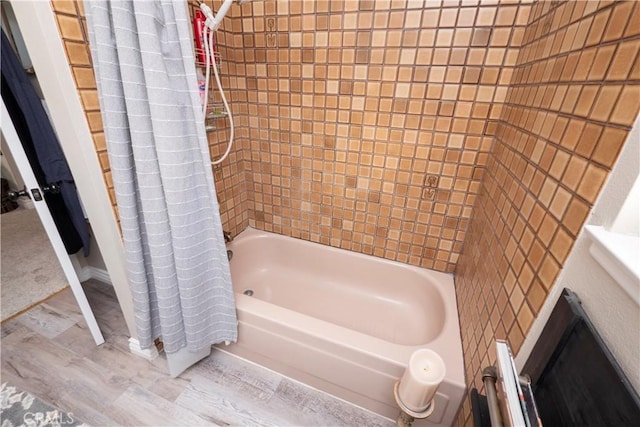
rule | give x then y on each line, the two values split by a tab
176	257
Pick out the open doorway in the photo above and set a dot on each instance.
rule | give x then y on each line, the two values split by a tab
29	269
37	244
37	23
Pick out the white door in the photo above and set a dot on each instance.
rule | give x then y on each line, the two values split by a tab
36	194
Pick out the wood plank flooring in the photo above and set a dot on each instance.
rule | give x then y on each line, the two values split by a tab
48	351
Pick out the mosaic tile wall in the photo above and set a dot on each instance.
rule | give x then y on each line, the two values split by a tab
358	124
574	95
367	121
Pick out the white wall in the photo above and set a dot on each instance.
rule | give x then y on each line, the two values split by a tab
613	312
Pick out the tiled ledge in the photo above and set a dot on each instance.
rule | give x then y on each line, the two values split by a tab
619	255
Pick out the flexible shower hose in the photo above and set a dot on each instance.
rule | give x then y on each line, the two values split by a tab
209	54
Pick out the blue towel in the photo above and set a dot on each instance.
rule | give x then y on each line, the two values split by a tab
43	150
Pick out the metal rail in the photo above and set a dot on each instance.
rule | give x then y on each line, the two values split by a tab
489	378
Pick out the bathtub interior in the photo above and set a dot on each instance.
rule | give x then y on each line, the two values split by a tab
395	305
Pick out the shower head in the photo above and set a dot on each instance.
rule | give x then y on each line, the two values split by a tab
214	21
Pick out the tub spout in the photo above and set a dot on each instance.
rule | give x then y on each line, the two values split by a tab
227	236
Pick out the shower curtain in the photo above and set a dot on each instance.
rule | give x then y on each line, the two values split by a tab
176	256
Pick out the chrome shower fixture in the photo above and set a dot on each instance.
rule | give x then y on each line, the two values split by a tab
213	22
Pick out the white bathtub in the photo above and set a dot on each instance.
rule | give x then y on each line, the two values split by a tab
344	322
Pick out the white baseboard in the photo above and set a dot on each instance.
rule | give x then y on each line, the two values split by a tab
99	274
146	353
83	274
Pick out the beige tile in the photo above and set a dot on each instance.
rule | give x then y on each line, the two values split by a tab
632	28
601	62
605	102
64	6
609	147
84	78
626	109
623	61
70	27
591	183
77	53
89	99
618	21
598	27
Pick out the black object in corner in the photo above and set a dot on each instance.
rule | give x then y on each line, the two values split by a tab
479	409
576	380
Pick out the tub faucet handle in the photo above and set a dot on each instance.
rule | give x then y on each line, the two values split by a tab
227	236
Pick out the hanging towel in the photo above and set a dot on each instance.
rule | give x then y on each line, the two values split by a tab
43	150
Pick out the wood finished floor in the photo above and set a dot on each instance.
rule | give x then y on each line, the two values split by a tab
48	351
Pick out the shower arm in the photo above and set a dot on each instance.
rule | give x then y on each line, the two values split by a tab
214	21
